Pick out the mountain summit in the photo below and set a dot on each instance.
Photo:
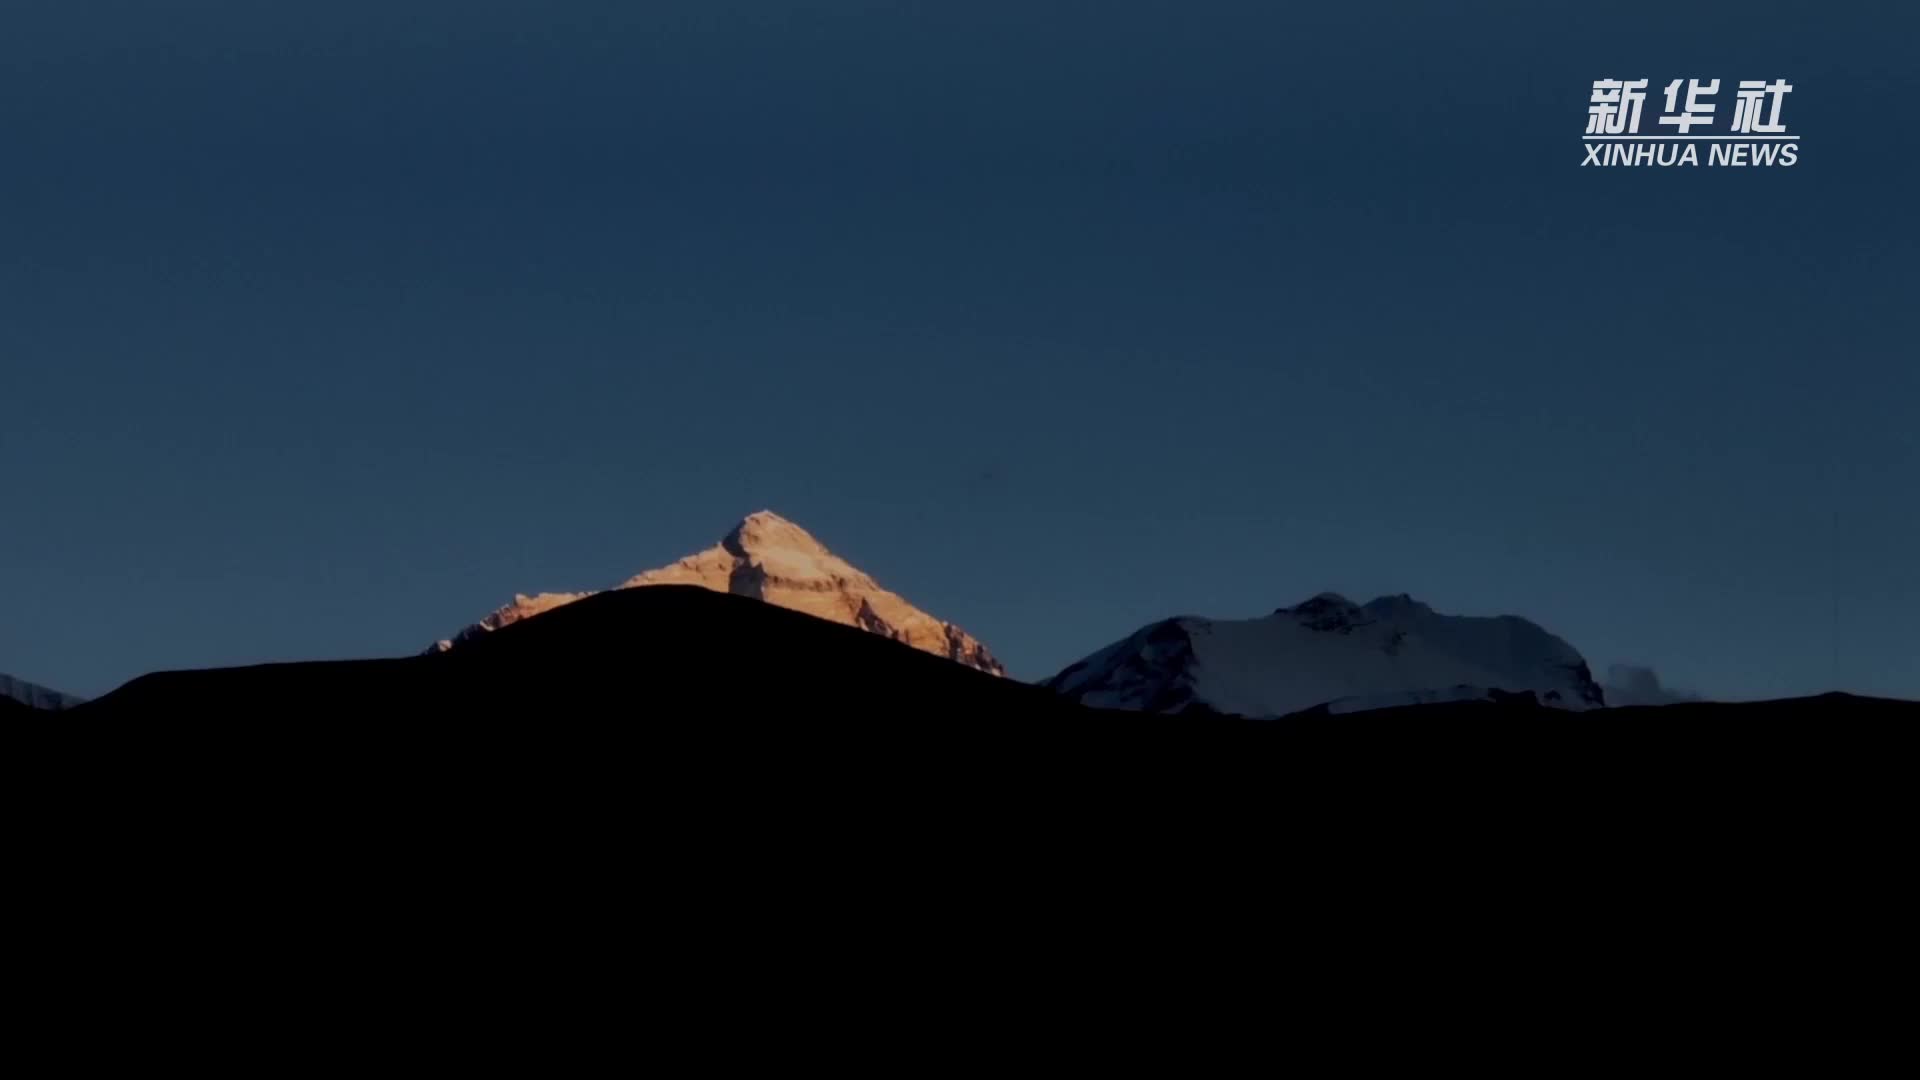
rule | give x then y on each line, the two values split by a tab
1333	654
769	558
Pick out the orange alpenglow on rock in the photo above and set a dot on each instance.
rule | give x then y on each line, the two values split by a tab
770	558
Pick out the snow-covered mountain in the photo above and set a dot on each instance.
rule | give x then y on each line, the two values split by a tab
770	558
1330	652
35	695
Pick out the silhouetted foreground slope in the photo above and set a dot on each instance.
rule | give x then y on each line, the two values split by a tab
776	795
655	653
671	665
725	737
684	665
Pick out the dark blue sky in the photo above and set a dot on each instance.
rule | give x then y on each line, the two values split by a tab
324	328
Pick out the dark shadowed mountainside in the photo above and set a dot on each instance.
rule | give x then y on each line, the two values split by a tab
686	666
667	651
718	785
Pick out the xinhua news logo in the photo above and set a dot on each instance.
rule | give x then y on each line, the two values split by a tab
1754	135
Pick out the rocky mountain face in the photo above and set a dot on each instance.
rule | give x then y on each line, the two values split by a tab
35	695
769	558
1332	655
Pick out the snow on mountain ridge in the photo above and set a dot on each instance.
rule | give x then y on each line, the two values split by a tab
772	559
1330	651
36	695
